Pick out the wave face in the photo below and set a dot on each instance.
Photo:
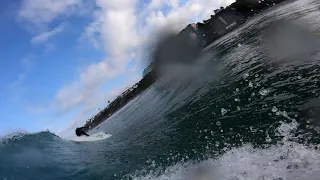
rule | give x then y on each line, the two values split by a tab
248	110
35	156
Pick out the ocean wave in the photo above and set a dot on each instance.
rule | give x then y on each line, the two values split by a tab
21	136
36	156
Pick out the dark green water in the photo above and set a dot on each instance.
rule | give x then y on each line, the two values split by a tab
237	114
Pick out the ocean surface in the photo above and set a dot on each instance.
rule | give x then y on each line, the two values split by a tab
249	109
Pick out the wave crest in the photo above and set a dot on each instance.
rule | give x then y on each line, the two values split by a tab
19	136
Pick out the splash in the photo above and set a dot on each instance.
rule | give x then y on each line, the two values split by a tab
287	160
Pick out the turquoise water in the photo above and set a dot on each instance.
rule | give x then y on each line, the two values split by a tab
238	113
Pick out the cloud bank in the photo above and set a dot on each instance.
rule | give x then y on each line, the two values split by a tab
122	29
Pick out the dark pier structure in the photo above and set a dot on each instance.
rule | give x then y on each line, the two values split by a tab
199	35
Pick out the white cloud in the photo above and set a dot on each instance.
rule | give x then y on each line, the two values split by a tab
158	4
179	16
95	74
114	28
37	16
120	29
44	36
155	4
39	12
85	87
115	24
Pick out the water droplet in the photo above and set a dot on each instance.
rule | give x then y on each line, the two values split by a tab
257	75
218	123
217	144
264	92
299	77
274	109
284	113
252	129
268	139
250	84
246	75
253	94
238	108
237	90
223	111
237	99
239	45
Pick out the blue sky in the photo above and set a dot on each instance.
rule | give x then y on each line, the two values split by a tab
61	60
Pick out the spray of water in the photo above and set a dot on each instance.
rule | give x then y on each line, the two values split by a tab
287	160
